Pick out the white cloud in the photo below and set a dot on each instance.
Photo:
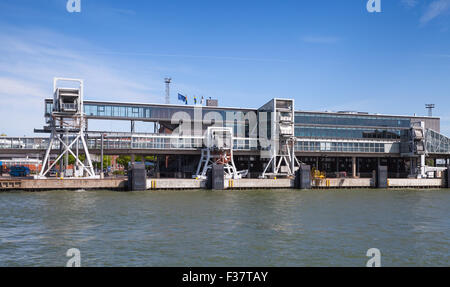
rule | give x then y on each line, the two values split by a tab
31	58
12	87
435	9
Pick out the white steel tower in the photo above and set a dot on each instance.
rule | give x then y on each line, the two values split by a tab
68	123
278	131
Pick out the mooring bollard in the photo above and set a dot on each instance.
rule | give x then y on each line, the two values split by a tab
448	177
382	177
303	177
137	177
216	176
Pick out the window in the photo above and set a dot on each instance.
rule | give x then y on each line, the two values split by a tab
350	120
325	132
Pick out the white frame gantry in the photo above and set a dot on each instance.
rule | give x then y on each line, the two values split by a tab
217	148
282	145
74	121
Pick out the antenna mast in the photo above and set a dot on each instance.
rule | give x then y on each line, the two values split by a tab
430	108
167	81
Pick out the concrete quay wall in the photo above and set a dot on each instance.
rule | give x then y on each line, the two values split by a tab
62	184
171	183
343	183
175	183
416	183
259	183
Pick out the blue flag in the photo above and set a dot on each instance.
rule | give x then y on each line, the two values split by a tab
182	98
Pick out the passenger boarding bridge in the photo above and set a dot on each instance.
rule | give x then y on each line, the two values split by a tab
312	139
316	132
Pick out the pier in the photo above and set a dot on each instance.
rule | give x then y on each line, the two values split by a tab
121	184
257	148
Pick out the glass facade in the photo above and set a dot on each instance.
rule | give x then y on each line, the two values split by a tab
309	146
307	125
142	112
347	133
437	143
117	111
230	118
350	120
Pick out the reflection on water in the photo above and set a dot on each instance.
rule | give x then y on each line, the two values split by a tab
245	228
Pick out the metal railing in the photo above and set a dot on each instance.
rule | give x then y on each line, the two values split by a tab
151	142
435	143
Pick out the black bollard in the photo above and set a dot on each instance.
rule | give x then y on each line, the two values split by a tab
382	177
137	177
303	177
448	176
216	179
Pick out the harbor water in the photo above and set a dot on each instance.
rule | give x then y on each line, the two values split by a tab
230	228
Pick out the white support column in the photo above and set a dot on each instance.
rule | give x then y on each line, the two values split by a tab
422	166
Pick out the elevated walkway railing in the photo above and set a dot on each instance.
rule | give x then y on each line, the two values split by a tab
156	142
435	143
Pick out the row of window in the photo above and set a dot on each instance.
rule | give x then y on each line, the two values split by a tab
340	147
300	131
353	133
165	113
300	118
349	120
117	111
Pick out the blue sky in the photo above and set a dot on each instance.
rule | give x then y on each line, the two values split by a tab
327	55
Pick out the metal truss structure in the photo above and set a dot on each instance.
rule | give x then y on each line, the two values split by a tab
283	161
67	124
218	150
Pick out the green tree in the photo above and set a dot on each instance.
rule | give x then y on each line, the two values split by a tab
81	157
123	160
150	158
107	160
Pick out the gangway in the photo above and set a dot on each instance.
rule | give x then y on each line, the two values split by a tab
423	142
436	143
